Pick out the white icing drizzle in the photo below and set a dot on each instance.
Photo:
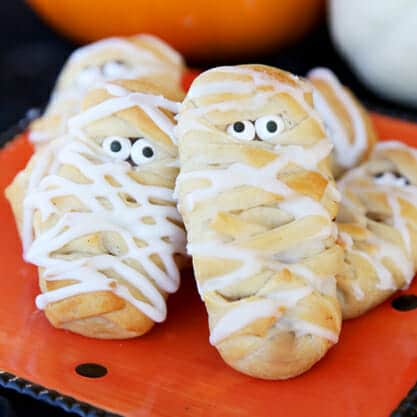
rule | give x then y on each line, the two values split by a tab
302	328
250	264
400	223
346	239
384	275
91	272
394	144
394	188
255	87
239	174
357	291
150	61
241	316
45	162
402	260
124	99
219	87
247	312
138	62
38	136
225	178
347	154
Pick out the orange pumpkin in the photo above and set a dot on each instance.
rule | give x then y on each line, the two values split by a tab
200	29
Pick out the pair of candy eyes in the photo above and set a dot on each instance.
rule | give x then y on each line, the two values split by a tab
138	152
393	174
265	128
110	69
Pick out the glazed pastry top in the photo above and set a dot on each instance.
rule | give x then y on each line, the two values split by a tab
345	120
141	56
247	138
112	177
380	198
120	58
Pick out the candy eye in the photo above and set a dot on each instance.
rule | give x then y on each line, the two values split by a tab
88	76
268	127
114	69
117	147
142	152
242	130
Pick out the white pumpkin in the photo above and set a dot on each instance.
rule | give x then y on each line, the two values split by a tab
379	40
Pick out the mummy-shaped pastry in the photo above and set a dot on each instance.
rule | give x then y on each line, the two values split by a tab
378	227
347	122
96	214
109	59
258	199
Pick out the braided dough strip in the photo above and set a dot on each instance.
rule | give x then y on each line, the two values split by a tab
377	225
347	121
140	56
106	236
259	222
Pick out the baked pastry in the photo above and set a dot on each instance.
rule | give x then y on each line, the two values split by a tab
378	227
141	56
347	121
96	213
257	198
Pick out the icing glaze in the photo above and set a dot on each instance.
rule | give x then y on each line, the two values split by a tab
91	272
347	152
126	60
394	188
302	328
130	48
124	99
257	90
240	316
238	174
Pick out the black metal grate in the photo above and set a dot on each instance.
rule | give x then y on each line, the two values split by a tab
408	406
51	397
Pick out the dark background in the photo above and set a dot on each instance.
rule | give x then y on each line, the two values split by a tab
31	56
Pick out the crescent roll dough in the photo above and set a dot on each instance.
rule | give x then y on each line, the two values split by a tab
347	122
258	201
378	227
141	56
97	216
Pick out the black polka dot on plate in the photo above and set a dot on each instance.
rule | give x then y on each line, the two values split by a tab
405	302
91	370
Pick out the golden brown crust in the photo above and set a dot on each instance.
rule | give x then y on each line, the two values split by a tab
102	315
99	314
341	100
375	221
249	216
142	56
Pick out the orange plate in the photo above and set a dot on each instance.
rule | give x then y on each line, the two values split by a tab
173	371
